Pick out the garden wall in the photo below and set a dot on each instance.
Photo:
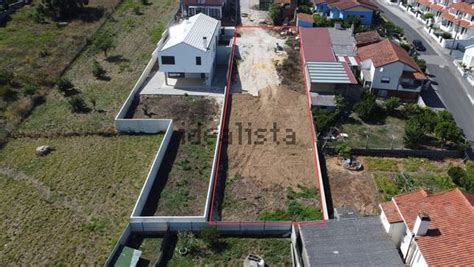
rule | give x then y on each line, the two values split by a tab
402	153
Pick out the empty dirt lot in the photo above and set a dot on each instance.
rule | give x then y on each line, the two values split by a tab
352	188
263	169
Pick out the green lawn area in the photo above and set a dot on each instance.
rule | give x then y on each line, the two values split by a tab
380	135
69	208
135	39
393	176
232	252
185	192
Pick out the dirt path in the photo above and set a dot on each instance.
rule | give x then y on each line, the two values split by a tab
350	188
260	173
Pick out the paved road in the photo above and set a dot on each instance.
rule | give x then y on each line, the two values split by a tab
442	73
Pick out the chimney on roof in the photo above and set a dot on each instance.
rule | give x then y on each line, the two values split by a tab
422	223
204	42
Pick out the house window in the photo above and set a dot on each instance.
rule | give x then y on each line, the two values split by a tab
198	61
382	93
385	80
201	2
167	60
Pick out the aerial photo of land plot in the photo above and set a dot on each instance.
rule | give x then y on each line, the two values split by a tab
183	178
270	172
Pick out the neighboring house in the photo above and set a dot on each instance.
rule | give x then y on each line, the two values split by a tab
212	8
367	38
346	242
432	229
325	74
190	49
458	19
304	20
343	9
387	70
468	58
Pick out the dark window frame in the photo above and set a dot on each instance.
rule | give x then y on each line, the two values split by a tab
168	60
198	61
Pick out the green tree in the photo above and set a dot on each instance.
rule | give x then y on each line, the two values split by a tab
414	134
104	42
366	107
275	12
392	104
428	16
61	9
320	21
447	130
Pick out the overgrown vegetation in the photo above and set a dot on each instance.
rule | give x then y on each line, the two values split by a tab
463	177
395	176
297	210
229	251
325	119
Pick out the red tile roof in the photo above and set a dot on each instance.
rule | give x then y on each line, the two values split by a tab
386	52
305	17
450	238
463	7
317	45
391	212
348	4
365	38
437	7
424	2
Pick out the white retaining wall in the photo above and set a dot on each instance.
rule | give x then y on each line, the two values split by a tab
152	174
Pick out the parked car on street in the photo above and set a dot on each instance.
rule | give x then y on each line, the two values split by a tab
419	45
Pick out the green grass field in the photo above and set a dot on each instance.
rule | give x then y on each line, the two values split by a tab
380	135
69	207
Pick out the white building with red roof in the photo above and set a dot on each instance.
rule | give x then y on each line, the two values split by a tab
432	229
388	70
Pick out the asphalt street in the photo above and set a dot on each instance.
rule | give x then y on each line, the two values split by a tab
444	82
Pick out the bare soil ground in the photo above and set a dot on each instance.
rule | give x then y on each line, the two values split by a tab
256	66
261	170
183	177
352	188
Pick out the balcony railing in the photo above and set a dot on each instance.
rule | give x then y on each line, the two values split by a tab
409	87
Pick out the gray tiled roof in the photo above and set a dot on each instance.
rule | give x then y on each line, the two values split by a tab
350	242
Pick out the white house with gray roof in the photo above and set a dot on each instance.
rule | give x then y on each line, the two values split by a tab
189	51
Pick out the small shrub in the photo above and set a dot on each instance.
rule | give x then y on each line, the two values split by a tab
136	11
446	35
64	85
19	110
210	236
392	104
6	77
457	174
97	70
405	46
30	89
343	150
77	104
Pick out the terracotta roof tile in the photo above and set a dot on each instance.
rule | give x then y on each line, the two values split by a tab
463	7
386	52
449	240
370	37
391	212
437	7
347	4
305	17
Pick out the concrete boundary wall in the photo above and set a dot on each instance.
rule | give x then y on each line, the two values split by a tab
120	242
152	174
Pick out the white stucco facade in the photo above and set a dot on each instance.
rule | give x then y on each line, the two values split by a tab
468	58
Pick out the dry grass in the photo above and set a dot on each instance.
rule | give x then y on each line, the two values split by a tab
70	206
133	34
